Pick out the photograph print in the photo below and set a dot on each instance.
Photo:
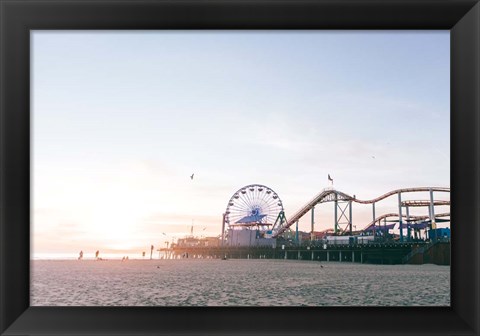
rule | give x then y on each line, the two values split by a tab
240	168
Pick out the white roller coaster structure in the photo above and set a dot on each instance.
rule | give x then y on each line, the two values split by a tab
330	194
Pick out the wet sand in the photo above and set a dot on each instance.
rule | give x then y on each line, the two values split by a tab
213	282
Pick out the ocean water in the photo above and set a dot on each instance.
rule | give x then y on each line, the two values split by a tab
235	282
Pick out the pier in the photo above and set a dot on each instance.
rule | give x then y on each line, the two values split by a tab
254	226
437	252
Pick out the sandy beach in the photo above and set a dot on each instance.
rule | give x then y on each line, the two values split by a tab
211	282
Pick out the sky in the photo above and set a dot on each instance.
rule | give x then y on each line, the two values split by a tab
120	120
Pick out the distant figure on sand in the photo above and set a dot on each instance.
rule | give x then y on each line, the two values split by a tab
80	256
96	254
151	251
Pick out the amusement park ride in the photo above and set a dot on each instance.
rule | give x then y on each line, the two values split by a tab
257	208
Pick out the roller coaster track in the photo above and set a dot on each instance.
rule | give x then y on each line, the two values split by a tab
413	218
330	194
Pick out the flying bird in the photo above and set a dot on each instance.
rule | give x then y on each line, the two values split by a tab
191	177
373	157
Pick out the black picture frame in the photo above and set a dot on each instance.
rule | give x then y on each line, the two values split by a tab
18	17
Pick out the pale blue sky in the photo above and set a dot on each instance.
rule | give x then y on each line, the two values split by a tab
121	119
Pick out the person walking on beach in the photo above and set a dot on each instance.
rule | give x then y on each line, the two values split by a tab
96	254
80	256
151	251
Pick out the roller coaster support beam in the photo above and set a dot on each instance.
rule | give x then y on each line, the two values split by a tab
400	215
313	224
409	231
336	210
350	216
429	226
279	221
296	233
432	206
384	228
345	216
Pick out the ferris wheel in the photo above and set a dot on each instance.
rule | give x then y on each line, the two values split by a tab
254	205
